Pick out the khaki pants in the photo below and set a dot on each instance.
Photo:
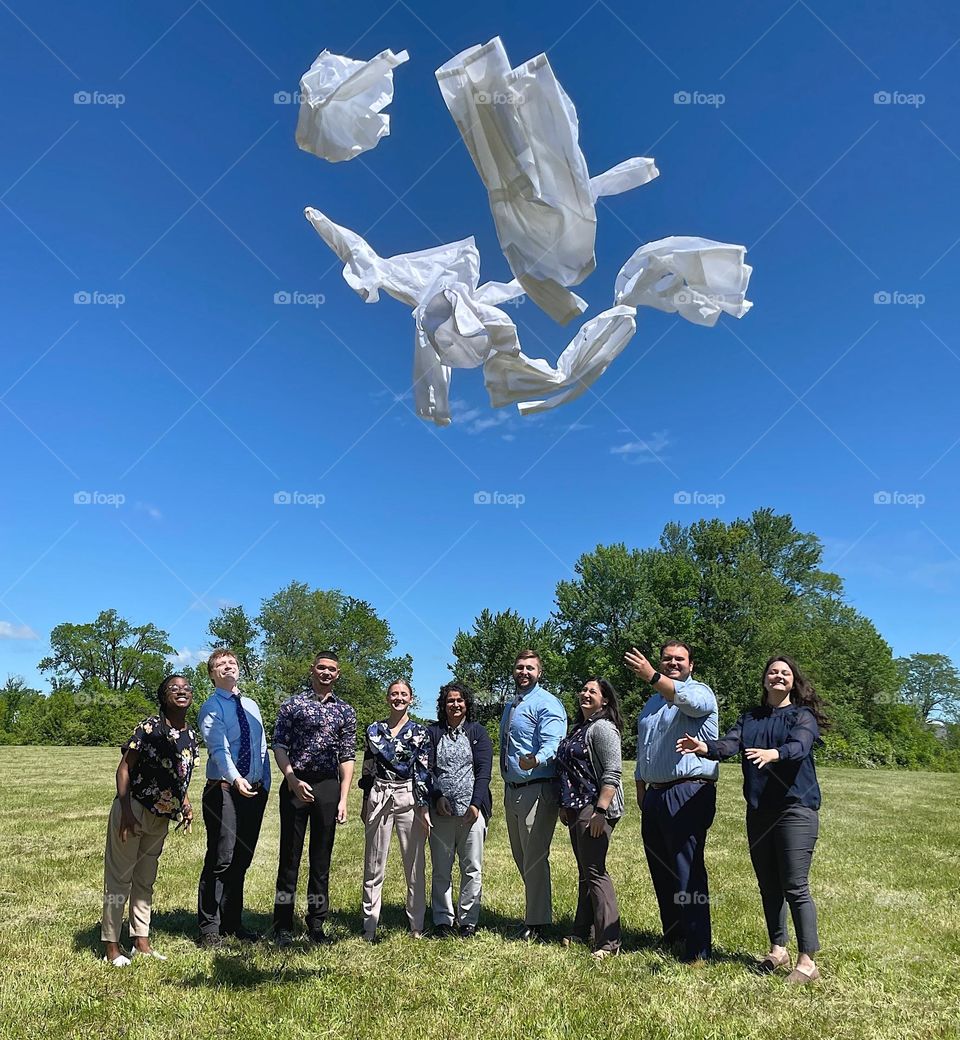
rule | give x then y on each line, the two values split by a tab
531	813
390	806
129	871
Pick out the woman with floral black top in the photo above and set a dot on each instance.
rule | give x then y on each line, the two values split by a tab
396	794
152	781
780	786
590	781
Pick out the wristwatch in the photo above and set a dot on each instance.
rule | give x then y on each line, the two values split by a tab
655	678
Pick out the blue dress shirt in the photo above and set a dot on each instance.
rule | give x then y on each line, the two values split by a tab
662	723
533	725
220	729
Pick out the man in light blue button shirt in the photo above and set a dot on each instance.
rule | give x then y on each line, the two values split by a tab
531	728
235	796
677	794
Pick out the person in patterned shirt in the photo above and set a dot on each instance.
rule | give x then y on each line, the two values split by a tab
152	782
396	795
315	745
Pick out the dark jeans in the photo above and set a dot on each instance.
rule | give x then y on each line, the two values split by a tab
596	900
781	848
233	826
674	830
321	814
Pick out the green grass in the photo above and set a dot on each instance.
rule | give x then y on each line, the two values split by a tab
886	879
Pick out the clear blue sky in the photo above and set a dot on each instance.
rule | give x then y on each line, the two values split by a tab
198	398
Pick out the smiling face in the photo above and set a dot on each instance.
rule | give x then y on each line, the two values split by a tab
675	663
324	674
455	708
225	671
399	697
591	698
778	681
177	694
526	673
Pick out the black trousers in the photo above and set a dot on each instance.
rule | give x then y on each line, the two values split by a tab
674	830
233	827
781	848
321	814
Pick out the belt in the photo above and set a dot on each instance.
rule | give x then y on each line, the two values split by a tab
527	783
226	785
683	780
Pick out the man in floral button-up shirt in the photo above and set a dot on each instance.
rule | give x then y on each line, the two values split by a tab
315	745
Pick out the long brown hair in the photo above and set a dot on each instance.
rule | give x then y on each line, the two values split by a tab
802	694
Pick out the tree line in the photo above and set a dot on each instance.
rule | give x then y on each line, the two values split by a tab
736	592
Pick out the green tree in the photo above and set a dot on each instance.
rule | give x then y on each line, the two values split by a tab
930	684
107	653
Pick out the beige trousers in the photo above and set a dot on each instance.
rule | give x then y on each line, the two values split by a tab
531	813
390	806
129	871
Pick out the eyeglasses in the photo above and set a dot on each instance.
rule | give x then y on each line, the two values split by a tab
179	689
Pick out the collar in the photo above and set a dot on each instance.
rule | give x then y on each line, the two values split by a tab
227	695
314	696
518	696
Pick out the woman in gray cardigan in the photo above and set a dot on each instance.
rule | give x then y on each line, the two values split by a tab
589	775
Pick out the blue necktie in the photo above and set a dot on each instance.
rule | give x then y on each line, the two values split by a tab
243	759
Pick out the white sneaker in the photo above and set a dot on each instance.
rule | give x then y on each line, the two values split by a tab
120	961
153	953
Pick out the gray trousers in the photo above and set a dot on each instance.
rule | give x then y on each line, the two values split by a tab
781	848
597	908
531	813
451	838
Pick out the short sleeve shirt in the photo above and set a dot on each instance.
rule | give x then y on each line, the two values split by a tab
164	767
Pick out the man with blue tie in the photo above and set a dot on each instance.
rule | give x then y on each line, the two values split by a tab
531	728
677	794
235	796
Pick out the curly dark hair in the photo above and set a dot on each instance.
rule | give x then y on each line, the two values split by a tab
465	691
612	709
803	694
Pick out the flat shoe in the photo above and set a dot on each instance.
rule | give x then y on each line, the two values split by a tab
770	964
602	955
120	961
151	953
801	978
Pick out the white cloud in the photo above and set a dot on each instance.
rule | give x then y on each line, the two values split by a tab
185	657
8	631
150	509
638	452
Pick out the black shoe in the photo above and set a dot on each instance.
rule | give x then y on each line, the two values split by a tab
529	933
283	938
468	931
317	935
244	935
209	941
443	931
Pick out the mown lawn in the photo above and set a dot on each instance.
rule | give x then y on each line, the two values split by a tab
886	879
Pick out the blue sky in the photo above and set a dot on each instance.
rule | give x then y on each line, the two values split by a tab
827	142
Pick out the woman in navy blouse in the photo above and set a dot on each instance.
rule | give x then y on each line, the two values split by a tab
776	740
396	795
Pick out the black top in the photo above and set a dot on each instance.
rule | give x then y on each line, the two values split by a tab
164	766
482	748
792	780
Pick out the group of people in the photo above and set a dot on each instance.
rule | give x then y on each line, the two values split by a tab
431	784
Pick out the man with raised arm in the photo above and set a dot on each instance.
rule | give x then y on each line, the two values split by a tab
677	794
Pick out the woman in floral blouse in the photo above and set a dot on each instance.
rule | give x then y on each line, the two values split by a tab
589	776
396	794
152	782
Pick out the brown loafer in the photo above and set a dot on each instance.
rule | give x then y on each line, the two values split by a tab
801	978
770	963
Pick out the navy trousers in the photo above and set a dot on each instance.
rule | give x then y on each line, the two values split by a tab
674	830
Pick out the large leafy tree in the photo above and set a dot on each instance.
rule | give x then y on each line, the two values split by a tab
930	684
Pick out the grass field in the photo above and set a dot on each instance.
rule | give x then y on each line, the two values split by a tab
886	879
